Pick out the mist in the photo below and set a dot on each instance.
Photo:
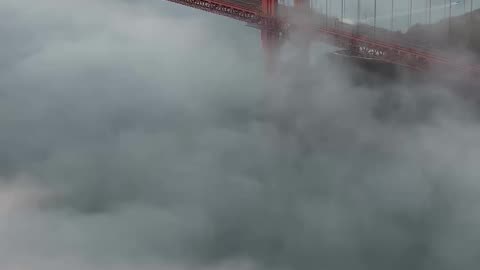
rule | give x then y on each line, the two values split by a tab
144	135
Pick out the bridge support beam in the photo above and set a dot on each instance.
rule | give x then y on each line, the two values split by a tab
304	38
270	44
269	7
301	4
270	37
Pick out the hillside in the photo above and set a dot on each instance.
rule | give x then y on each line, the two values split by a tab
461	32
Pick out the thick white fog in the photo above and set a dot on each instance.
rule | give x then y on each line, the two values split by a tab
144	135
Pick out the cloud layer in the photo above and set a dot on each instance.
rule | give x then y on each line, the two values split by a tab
137	135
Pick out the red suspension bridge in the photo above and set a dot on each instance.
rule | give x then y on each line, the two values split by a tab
277	21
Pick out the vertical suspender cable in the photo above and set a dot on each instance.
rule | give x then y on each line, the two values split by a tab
358	11
326	12
331	9
410	8
358	17
426	11
450	20
430	12
450	11
342	12
375	18
471	12
391	16
470	25
445	9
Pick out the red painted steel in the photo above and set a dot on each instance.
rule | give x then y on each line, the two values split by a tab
242	11
270	37
263	15
300	3
269	7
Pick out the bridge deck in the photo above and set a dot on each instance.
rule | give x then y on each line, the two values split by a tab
387	45
251	4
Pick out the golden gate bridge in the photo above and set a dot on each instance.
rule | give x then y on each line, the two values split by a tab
278	20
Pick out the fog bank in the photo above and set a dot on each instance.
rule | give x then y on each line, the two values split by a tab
140	135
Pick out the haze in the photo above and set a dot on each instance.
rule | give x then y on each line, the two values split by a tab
144	135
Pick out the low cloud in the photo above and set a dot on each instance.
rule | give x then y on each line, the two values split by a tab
134	136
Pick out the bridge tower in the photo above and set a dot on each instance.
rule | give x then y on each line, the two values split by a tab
304	42
270	37
301	3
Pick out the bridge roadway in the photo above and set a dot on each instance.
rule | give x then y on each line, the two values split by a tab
251	4
365	40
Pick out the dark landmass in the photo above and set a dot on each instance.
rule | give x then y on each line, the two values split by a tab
459	32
